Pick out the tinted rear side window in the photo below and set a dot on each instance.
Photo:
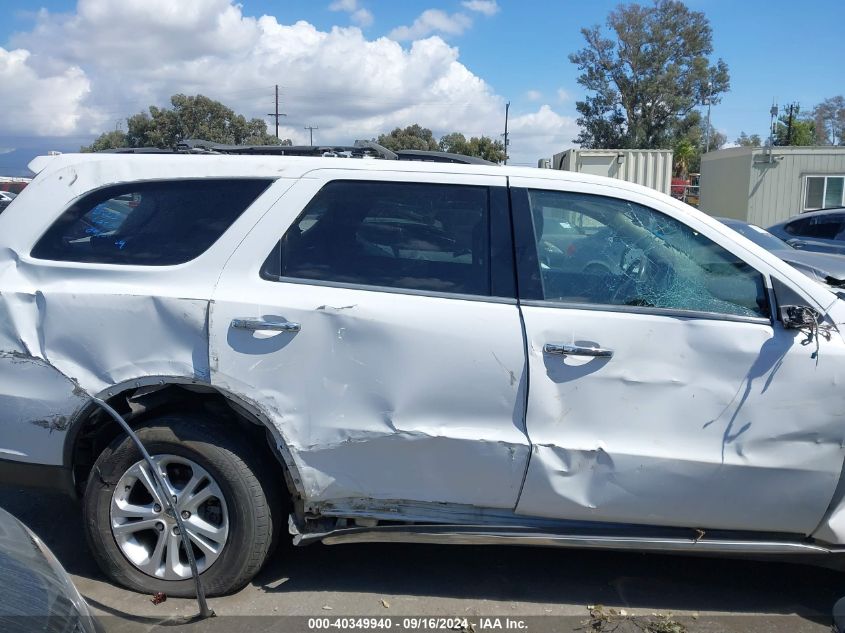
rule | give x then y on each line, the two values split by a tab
825	227
418	236
150	223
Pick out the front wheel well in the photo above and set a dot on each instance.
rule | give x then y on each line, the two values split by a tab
94	430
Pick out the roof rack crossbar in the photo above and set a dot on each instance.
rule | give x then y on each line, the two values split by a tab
361	149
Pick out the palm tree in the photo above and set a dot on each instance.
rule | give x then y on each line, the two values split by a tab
684	154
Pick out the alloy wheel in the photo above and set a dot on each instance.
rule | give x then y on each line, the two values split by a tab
148	534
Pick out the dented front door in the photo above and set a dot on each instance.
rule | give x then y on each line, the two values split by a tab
375	341
662	393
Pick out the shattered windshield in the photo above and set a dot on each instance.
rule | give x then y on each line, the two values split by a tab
624	254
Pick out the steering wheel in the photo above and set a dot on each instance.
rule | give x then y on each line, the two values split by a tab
545	252
634	268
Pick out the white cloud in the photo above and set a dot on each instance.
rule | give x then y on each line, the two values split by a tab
344	5
362	17
533	95
432	21
359	15
48	103
486	7
541	134
79	73
563	96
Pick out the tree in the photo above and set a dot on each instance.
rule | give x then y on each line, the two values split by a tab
417	137
745	140
108	140
190	117
690	144
412	137
649	78
481	146
829	121
794	129
684	153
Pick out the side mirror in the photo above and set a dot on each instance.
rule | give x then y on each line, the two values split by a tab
796	317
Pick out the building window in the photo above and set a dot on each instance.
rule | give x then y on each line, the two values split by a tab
824	192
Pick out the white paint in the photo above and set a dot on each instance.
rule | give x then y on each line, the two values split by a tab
380	395
385	396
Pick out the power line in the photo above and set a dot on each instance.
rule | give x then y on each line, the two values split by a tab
311	129
277	114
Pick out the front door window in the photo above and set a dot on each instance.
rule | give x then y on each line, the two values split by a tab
606	251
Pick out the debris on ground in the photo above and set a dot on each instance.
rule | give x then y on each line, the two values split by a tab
385	603
604	620
159	597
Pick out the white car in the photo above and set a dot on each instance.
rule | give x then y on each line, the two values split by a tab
376	350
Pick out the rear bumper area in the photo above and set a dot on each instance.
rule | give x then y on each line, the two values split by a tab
38	476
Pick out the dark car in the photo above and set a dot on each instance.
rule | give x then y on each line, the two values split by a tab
38	595
819	231
825	267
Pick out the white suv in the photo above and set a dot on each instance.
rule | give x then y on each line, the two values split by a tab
415	351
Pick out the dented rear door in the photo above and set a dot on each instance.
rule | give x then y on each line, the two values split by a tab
662	392
381	338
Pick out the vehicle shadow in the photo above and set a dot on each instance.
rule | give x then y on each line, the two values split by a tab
505	574
557	576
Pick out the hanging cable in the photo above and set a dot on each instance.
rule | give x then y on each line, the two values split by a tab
204	610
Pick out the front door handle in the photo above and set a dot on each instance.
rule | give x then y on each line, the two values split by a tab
261	324
577	350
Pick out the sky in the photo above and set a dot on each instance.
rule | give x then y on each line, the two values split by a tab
70	70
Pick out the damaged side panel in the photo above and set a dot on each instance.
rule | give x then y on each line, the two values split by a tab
383	396
377	394
691	423
68	329
37	403
56	347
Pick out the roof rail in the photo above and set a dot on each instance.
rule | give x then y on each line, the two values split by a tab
441	157
360	149
135	150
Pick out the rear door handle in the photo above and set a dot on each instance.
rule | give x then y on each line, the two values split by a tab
577	350
261	324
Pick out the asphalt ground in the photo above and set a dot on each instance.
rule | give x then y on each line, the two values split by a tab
477	588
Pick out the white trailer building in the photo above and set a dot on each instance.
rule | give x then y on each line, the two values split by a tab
649	167
765	185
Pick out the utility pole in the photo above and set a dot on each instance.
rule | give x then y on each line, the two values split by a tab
277	114
709	101
774	122
792	106
507	108
311	129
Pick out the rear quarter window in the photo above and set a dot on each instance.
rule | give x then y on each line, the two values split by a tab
158	223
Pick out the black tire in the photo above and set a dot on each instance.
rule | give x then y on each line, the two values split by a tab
252	492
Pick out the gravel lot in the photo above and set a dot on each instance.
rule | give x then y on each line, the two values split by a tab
551	588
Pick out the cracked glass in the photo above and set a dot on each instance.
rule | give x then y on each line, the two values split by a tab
608	251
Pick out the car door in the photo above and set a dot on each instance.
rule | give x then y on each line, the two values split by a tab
372	317
662	390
